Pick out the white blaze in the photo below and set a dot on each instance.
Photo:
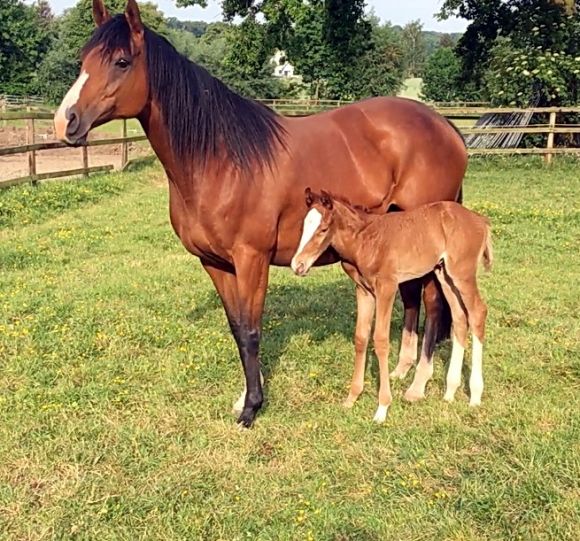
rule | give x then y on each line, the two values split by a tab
476	379
72	96
311	224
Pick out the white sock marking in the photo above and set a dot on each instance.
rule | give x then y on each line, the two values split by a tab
476	378
454	373
381	414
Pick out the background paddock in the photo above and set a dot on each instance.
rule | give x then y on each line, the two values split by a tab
116	385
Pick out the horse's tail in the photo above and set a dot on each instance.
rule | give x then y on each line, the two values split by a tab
487	253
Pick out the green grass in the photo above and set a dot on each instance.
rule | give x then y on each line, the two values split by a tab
118	374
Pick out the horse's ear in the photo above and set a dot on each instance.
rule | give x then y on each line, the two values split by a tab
326	200
309	198
100	13
134	19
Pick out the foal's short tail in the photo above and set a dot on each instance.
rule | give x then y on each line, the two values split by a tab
487	254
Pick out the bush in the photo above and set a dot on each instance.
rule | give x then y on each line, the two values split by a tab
441	77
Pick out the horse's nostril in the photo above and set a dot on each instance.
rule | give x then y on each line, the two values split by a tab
73	121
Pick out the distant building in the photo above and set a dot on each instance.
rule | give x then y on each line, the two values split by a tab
282	68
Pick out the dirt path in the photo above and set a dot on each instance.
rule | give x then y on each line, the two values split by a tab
16	165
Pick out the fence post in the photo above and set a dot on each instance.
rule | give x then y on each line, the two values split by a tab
550	145
124	146
31	153
85	151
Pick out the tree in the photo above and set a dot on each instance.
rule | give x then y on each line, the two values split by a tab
544	25
380	70
324	39
414	48
25	37
441	76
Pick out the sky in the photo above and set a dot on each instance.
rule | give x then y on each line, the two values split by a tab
397	11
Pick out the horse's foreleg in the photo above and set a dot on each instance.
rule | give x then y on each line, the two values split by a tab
252	282
434	310
411	297
225	283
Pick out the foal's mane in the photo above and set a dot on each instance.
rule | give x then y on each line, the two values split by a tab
201	113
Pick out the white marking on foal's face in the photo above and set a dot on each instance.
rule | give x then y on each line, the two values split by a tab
312	222
72	96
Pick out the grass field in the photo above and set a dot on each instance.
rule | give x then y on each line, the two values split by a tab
118	375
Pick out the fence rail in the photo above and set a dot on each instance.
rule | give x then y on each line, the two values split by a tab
289	107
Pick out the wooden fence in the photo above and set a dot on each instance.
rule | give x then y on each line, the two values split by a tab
32	147
297	108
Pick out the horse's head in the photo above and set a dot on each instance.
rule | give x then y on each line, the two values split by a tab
113	80
319	225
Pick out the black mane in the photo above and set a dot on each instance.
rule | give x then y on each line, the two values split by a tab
201	113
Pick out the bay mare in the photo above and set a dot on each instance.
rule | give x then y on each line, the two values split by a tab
387	250
237	171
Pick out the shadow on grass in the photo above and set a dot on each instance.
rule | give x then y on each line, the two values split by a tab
320	310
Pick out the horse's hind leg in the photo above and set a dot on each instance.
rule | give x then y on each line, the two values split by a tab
434	309
411	297
459	332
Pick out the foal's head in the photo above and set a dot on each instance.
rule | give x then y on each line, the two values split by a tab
319	226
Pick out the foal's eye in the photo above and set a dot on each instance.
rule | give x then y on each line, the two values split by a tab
122	63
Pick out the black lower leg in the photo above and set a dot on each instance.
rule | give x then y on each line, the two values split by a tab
249	345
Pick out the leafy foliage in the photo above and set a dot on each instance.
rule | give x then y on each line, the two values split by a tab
24	38
504	35
415	48
519	75
441	76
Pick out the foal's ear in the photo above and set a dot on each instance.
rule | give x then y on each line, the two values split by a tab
309	197
326	200
134	19
100	13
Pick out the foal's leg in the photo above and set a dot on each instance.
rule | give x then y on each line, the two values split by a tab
365	309
460	325
364	320
433	315
385	293
477	314
411	297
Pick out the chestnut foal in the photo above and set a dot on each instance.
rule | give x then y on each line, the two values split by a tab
391	248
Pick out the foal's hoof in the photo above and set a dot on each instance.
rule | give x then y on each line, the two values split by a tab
413	396
474	403
349	401
399	373
381	415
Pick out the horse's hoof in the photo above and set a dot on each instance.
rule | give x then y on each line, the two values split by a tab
413	396
449	397
474	403
246	419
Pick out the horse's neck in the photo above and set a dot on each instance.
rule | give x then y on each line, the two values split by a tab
157	132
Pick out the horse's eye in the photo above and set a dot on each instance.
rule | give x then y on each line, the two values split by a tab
122	63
